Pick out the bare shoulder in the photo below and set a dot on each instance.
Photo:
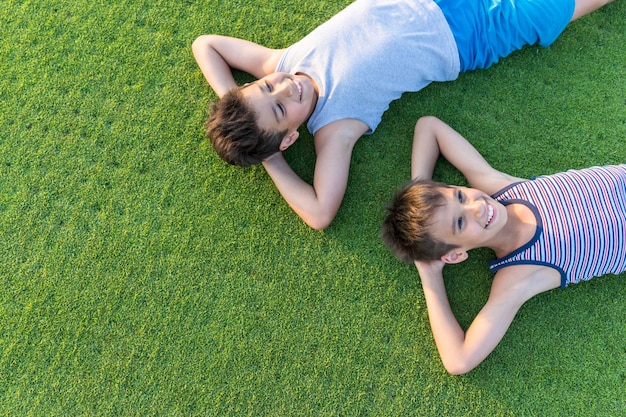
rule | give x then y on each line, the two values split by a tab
519	283
341	132
271	62
494	181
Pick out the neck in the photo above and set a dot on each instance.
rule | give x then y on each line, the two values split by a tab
519	229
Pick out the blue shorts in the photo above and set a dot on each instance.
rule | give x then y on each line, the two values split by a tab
487	30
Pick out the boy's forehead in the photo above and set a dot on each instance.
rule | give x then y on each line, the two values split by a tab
260	104
443	215
259	81
247	85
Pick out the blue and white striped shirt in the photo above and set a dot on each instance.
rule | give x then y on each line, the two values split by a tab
581	222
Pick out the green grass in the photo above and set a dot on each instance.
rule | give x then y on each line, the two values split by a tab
142	276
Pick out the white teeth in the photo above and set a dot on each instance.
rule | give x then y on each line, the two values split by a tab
489	215
299	87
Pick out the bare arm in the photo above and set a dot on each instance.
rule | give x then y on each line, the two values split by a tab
216	55
462	351
432	138
318	204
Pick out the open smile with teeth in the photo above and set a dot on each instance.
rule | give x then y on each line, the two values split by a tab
299	87
489	215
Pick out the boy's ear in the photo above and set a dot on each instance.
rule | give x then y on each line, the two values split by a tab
288	140
455	256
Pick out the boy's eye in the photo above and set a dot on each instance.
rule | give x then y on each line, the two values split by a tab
268	86
460	196
282	109
459	223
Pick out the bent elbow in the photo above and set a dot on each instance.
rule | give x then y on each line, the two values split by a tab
457	370
319	223
201	42
458	367
425	122
198	42
320	220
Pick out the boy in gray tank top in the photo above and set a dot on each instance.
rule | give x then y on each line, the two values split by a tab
342	77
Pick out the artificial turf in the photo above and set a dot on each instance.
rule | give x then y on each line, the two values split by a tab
141	275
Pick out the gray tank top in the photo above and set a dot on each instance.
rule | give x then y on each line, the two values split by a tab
370	53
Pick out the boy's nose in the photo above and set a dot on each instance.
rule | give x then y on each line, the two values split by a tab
284	89
476	208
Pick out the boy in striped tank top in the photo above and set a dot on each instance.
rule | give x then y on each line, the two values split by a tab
546	233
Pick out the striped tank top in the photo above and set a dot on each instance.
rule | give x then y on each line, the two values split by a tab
581	222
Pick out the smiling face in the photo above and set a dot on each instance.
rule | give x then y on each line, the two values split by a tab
469	219
282	101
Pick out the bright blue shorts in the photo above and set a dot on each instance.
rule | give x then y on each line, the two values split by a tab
487	30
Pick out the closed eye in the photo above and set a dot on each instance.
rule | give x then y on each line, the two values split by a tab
459	224
281	109
460	196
